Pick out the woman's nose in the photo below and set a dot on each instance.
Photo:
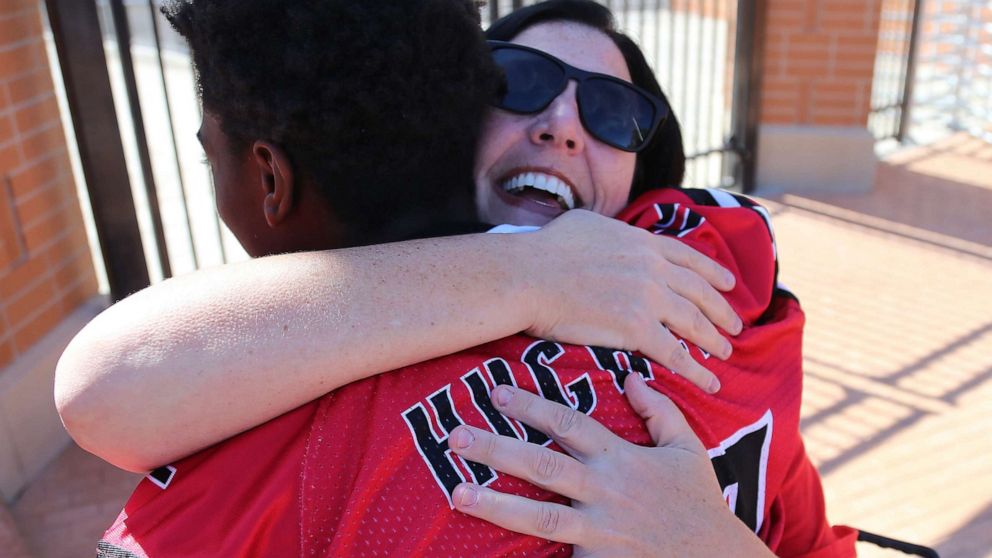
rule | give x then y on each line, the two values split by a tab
559	125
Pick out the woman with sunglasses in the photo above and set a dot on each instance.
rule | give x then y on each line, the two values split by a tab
572	146
582	117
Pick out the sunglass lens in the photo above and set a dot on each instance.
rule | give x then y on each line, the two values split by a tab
532	81
616	114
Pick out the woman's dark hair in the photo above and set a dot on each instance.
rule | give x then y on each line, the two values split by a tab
378	103
662	163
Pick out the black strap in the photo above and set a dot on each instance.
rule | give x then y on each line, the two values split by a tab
902	546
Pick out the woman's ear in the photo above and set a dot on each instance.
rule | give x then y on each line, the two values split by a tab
277	181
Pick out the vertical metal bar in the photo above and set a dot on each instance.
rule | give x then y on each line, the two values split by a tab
153	13
641	22
959	82
656	46
123	32
729	162
699	98
517	4
671	52
76	30
706	111
907	95
892	113
685	56
493	11
748	67
685	83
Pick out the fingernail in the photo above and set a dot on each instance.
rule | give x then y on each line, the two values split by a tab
466	495
738	326
635	377
729	278
503	396
463	438
714	386
728	349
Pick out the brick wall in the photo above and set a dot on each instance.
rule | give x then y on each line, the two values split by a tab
46	269
819	58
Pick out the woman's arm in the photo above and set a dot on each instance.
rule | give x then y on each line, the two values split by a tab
216	352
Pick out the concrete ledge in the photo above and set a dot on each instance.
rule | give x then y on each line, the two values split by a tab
806	159
31	433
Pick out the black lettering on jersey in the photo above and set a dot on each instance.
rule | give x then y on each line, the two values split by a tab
499	374
538	357
434	448
620	363
676	220
741	464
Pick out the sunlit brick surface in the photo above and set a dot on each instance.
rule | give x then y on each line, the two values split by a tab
819	56
898	400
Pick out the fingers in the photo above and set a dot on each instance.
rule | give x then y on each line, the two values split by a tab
691	286
536	464
665	422
686	256
578	434
540	519
664	349
684	317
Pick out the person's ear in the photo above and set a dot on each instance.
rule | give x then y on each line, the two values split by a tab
276	179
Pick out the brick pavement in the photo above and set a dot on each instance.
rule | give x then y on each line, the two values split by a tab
64	512
897	287
898	290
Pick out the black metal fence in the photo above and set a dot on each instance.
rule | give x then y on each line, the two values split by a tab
894	79
702	51
953	81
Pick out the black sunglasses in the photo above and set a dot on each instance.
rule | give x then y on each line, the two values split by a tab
614	111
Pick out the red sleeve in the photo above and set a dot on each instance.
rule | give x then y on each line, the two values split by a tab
800	511
237	499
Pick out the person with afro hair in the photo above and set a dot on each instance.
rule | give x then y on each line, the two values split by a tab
374	107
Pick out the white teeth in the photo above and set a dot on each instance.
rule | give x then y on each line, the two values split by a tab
544	182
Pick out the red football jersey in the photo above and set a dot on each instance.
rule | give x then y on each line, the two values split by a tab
366	470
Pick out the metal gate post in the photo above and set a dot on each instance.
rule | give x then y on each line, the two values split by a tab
122	31
910	74
76	30
748	68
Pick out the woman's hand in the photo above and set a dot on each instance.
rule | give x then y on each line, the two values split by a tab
598	281
627	500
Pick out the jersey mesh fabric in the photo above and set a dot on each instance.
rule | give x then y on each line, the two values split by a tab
363	471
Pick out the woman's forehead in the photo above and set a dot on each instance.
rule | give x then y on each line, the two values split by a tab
580	45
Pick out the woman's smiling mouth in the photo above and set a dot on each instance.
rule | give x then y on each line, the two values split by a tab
541	187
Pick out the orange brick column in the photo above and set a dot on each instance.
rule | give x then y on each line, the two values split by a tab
46	270
819	57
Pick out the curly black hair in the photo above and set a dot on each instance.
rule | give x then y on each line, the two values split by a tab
377	102
662	163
